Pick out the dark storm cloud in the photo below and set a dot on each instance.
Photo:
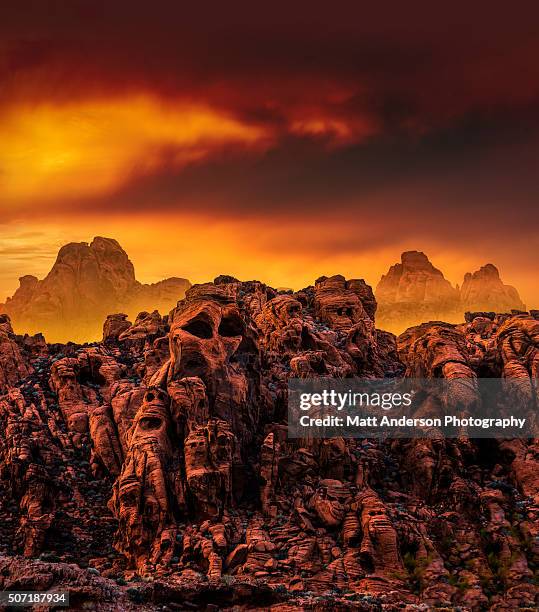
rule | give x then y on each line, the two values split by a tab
440	88
421	184
399	60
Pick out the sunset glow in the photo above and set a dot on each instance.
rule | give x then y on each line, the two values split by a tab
94	147
280	149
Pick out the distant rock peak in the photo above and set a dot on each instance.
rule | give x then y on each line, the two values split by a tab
485	290
414	291
417	260
87	282
487	271
414	280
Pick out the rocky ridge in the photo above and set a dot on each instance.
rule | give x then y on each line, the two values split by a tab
414	291
154	467
85	284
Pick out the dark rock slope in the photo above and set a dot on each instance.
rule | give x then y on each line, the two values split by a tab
154	467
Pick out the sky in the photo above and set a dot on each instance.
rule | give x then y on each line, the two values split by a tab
277	141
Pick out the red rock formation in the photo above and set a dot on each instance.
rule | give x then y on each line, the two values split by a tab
141	497
86	283
379	549
210	453
114	326
162	453
13	366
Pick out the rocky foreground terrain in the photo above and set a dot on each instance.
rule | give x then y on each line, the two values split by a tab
414	291
152	470
86	283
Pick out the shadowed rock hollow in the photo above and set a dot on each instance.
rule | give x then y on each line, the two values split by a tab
159	459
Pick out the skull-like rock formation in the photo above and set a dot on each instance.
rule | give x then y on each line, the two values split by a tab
159	458
141	494
211	451
210	340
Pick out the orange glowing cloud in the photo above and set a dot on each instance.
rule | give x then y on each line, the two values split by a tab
94	147
339	131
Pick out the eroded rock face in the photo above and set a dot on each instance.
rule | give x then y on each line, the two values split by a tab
114	326
140	498
211	450
163	452
206	336
13	366
86	283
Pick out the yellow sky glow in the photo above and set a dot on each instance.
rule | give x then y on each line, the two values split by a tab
198	248
51	153
93	147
